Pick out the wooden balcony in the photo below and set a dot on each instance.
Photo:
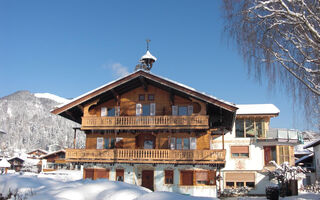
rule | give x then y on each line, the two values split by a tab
146	156
146	122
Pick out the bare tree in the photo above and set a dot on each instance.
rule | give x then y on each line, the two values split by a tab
280	40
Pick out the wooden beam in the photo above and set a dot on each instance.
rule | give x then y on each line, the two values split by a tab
116	97
172	96
144	83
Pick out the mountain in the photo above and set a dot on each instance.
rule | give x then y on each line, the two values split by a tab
27	120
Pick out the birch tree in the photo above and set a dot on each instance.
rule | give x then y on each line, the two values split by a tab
280	41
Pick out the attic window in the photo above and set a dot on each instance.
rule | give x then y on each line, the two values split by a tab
141	97
150	97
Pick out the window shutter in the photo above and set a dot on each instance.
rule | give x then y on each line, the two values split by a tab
152	109
103	111
99	142
172	143
193	143
174	110
117	111
138	109
190	110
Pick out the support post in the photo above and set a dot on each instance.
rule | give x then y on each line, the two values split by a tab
222	139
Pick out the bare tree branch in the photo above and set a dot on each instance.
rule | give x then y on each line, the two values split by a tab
280	39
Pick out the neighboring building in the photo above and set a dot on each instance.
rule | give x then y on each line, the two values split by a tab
4	166
16	163
37	153
53	161
316	157
251	145
307	163
151	131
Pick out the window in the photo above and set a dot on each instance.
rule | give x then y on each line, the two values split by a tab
239	128
179	143
198	177
120	175
250	131
250	128
168	176
109	143
145	109
182	110
250	184
229	184
284	155
239	184
182	143
240	151
150	97
270	154
141	97
186	143
234	180
111	112
202	177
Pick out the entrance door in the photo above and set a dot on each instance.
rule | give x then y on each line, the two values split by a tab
147	179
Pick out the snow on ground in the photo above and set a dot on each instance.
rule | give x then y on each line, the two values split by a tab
68	185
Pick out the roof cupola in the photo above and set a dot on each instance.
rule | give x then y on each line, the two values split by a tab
147	60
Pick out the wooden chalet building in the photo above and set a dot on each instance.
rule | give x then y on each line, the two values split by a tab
54	160
151	131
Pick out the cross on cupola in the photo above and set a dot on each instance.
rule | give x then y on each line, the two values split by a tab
147	60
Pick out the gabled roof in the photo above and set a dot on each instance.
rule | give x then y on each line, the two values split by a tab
16	157
52	153
132	81
43	151
257	109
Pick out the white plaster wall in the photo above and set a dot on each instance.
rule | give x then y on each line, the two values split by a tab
256	152
159	185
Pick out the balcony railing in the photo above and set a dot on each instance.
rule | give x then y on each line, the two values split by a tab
282	135
146	122
146	156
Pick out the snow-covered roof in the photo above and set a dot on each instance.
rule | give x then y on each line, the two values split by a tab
312	144
4	163
61	150
140	70
257	109
44	151
303	158
148	55
2	131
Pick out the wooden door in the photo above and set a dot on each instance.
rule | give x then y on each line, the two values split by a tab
145	141
267	155
147	179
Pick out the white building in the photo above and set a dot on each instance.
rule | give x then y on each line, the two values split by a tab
252	145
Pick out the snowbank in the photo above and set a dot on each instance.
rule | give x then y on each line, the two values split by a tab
39	187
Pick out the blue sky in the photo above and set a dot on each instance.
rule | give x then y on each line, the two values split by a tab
70	47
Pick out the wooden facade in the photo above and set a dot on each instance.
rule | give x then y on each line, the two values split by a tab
144	118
